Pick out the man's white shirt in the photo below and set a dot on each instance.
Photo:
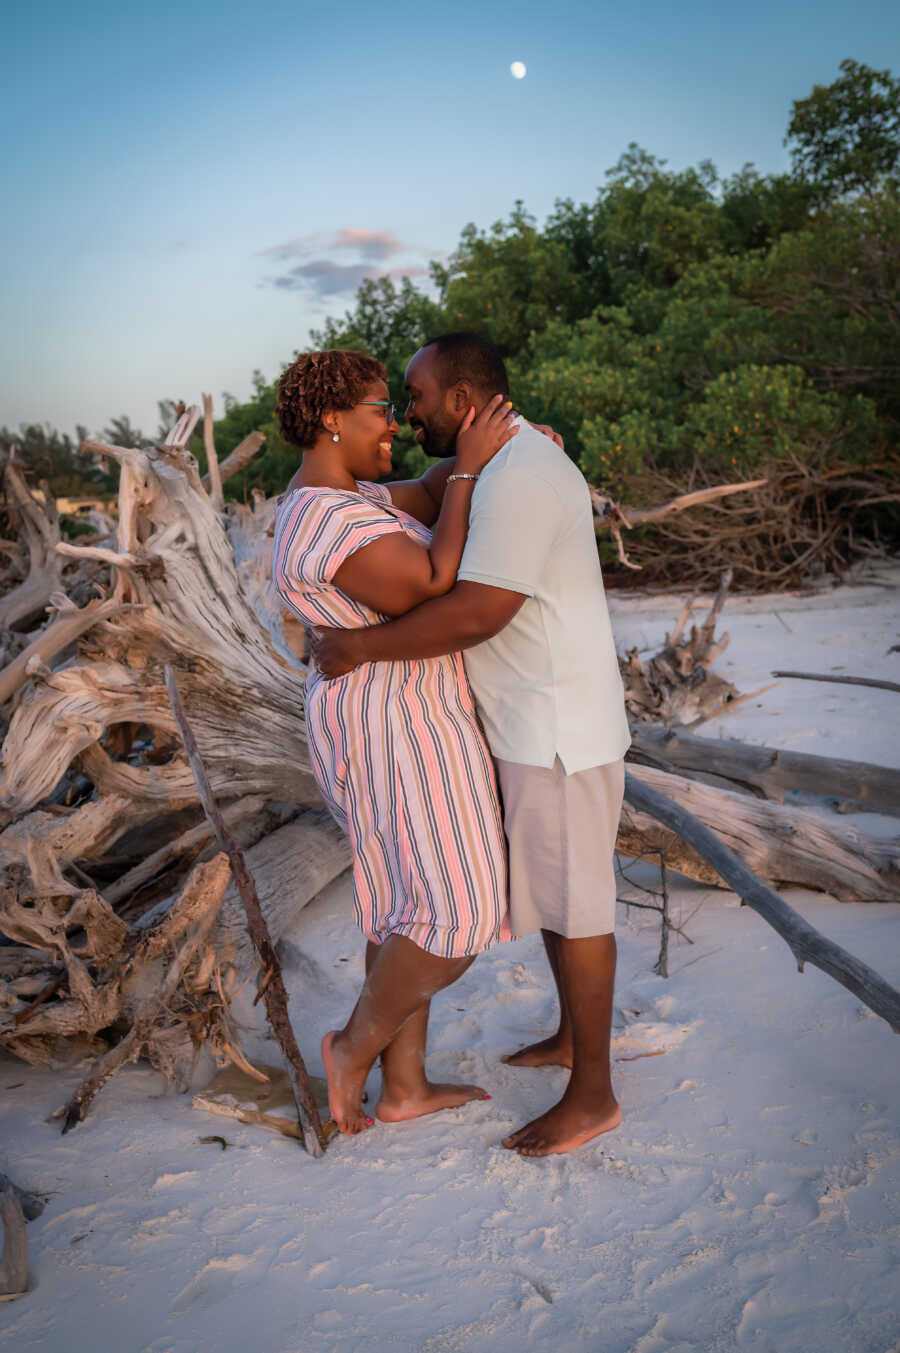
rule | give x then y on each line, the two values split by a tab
548	684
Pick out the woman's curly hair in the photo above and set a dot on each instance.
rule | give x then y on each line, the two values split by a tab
318	383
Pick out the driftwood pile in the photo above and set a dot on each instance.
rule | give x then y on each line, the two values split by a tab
121	930
805	519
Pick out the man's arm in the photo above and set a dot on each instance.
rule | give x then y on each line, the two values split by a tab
467	615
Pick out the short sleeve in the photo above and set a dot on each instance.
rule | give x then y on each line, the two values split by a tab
380	493
319	531
514	519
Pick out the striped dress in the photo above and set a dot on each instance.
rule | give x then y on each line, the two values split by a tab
397	749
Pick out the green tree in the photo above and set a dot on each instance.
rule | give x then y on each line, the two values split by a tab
754	414
54	456
507	281
845	136
121	433
757	209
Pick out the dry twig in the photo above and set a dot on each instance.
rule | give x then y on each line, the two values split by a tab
274	992
842	680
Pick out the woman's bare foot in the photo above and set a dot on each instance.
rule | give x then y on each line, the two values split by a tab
345	1088
553	1051
429	1099
568	1124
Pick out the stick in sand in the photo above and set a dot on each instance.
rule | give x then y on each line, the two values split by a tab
841	680
274	995
807	945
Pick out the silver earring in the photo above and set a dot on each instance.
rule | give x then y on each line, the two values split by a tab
336	437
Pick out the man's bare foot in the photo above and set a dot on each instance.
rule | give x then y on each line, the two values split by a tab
344	1088
565	1126
553	1051
430	1099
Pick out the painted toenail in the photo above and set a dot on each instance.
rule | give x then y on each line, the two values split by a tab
370	1121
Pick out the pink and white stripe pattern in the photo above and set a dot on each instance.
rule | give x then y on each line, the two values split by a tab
397	748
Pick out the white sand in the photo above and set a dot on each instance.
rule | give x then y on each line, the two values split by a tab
750	1200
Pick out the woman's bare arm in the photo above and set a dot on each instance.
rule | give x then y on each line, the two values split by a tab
394	574
422	497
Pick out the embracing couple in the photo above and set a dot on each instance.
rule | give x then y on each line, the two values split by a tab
490	553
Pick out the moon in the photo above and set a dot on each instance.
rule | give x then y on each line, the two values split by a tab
518	69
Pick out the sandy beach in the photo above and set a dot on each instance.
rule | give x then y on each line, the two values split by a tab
749	1201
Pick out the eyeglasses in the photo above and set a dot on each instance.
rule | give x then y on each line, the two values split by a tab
387	406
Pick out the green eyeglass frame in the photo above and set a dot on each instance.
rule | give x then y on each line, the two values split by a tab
388	407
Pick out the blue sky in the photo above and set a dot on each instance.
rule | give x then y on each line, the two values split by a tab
192	186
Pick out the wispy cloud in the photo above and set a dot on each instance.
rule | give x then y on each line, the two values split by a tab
372	244
375	244
301	246
323	276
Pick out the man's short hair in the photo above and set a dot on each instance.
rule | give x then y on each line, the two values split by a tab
470	357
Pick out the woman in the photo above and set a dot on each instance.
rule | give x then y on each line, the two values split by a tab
397	749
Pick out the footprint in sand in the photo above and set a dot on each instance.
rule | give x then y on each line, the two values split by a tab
217	1278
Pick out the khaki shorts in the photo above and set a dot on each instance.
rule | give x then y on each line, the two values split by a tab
561	831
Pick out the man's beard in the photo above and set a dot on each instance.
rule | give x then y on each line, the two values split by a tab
439	442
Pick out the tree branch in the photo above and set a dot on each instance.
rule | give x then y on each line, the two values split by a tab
275	995
212	459
804	941
842	680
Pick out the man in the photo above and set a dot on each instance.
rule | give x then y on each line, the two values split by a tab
529	610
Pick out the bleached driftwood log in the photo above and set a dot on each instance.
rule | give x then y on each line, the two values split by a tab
678	685
251	532
193	919
213	474
40	532
175	569
291	867
69	625
805	942
782	844
104	720
238	459
103	971
77	968
615	517
773	771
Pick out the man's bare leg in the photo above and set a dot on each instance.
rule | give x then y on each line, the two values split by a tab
402	979
587	969
557	1049
406	1091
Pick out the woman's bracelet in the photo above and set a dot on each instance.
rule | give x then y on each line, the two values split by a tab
451	477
